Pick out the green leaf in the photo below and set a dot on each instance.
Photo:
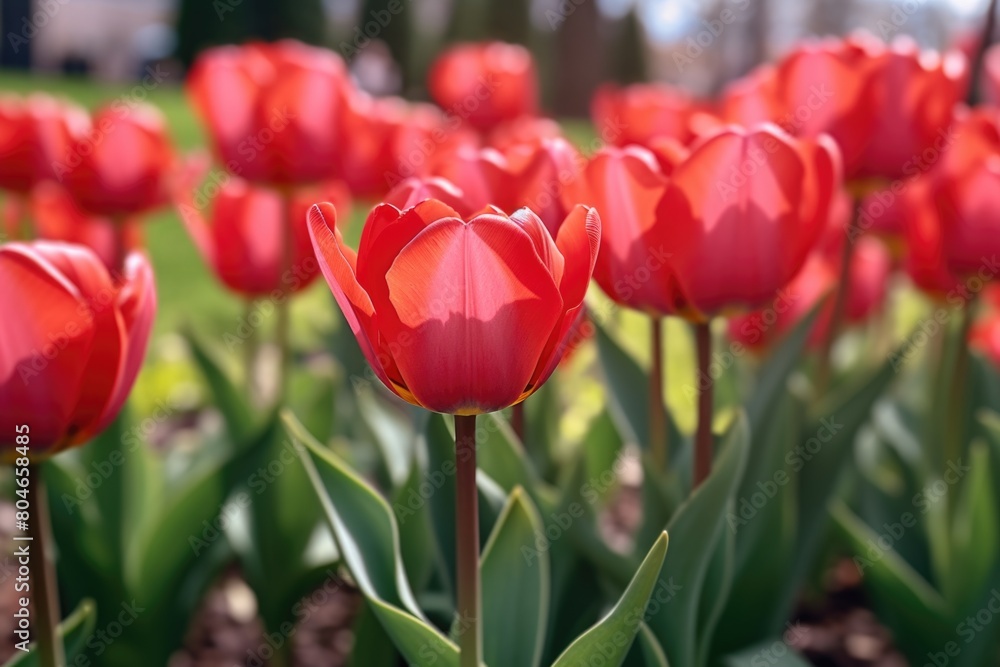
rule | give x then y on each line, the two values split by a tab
976	532
774	653
697	527
628	398
415	531
502	457
909	604
368	540
74	630
226	394
646	651
613	635
439	442
172	539
515	587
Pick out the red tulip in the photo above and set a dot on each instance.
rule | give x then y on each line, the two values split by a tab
34	132
57	217
741	214
985	337
883	104
273	111
625	186
870	268
536	175
524	130
414	190
72	342
245	241
459	316
953	229
640	113
391	140
485	83
120	164
478	173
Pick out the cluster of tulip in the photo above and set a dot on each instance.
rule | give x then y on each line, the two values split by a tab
820	173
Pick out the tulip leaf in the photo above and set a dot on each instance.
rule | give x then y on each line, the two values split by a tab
628	398
909	603
367	537
75	630
174	536
975	531
227	396
613	635
415	531
439	442
646	651
516	585
697	527
501	455
774	653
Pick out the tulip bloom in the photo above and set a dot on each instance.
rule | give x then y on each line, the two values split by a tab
273	111
534	175
459	316
741	214
414	190
71	344
870	268
640	113
34	132
952	226
485	83
120	164
57	217
883	104
625	185
244	243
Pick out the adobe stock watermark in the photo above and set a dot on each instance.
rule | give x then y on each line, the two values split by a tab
121	107
957	300
748	507
967	630
101	471
371	28
45	11
754	329
899	17
711	30
891	532
879	204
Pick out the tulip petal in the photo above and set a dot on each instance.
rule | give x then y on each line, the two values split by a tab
137	305
337	262
473	307
43	358
540	238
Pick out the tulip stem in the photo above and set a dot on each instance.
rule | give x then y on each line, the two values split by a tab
703	437
250	351
283	335
517	421
839	305
985	39
467	540
658	440
959	382
43	576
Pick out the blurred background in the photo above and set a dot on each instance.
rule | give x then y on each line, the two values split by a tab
699	44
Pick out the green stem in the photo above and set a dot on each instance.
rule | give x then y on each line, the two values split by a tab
283	335
703	437
43	576
517	420
467	541
658	441
250	351
959	384
839	306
